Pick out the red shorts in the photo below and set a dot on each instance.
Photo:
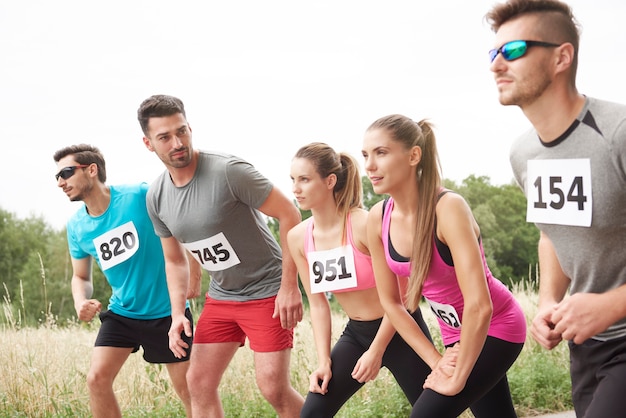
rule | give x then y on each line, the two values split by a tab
224	321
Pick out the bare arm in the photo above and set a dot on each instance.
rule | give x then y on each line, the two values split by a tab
390	292
195	277
458	229
177	272
82	290
553	285
289	298
369	364
320	313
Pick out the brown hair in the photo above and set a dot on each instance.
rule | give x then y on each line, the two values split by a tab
428	172
158	106
348	190
556	21
84	154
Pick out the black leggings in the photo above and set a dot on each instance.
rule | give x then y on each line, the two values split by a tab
407	367
486	392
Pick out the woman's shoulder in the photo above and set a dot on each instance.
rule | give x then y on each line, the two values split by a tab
450	200
358	214
297	233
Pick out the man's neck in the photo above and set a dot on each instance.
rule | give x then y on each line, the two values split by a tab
552	116
98	200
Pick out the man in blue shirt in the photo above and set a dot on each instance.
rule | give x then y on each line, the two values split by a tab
113	227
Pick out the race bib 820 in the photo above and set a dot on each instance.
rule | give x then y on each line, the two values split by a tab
117	245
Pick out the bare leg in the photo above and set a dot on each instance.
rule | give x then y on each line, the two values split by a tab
106	363
273	379
207	365
178	374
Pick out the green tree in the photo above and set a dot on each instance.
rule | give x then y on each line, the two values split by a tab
36	272
510	242
23	245
370	198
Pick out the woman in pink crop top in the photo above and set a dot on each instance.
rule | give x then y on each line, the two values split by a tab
331	253
426	242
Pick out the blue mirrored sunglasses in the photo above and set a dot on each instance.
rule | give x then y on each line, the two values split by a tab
515	49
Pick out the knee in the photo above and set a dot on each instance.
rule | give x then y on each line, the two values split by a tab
97	381
313	408
271	391
201	381
276	391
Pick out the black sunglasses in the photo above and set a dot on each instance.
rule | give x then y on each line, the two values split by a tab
68	172
516	49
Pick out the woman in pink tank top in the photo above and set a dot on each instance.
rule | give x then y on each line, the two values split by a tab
426	243
331	253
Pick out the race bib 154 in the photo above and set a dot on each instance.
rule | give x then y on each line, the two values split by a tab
559	192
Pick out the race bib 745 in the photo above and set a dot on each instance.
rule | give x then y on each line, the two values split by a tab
214	253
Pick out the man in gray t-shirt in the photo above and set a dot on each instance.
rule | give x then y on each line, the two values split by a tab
211	206
572	166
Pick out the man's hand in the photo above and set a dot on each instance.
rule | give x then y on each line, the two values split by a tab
288	307
88	309
177	344
581	316
543	330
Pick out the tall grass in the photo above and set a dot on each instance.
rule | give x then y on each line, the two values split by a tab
43	375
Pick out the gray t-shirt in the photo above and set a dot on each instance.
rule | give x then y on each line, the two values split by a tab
591	154
215	217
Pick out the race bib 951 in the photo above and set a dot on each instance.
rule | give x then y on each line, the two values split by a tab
332	270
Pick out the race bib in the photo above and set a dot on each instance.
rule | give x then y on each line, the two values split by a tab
559	192
332	270
214	253
117	245
446	313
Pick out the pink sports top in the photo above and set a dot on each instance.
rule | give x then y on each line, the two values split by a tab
362	262
442	292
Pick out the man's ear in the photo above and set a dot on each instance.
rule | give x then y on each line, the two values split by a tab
146	142
565	57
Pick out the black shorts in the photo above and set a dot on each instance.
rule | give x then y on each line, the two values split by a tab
119	331
598	371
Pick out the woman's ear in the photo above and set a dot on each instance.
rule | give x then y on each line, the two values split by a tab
331	181
415	155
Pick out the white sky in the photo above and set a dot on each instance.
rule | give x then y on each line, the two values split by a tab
259	79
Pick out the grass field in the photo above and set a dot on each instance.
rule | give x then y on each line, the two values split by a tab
43	375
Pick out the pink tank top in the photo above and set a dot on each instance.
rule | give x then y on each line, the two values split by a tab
442	292
362	262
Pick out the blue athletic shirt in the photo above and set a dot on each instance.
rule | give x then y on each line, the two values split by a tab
123	242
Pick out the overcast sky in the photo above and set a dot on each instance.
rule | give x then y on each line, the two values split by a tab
260	79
